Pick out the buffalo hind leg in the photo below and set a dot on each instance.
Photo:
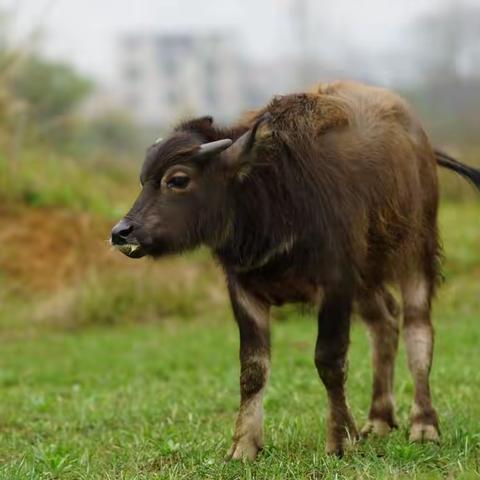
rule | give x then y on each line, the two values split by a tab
252	316
380	312
331	362
418	335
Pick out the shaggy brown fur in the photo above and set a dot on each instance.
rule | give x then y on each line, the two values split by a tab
327	198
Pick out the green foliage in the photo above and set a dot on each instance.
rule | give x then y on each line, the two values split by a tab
110	298
40	104
50	89
40	178
110	133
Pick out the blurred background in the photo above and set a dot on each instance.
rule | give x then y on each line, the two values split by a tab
86	86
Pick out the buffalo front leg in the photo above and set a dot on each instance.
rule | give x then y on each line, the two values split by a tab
331	362
252	316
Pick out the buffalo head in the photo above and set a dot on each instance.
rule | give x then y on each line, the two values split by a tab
184	198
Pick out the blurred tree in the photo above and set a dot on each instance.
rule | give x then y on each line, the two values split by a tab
448	42
50	93
3	37
50	89
111	132
447	52
36	95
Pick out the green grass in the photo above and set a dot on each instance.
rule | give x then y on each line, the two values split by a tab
158	400
104	186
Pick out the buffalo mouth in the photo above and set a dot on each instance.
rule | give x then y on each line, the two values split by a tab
131	250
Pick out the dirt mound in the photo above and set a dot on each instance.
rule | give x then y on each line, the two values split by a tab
54	252
44	249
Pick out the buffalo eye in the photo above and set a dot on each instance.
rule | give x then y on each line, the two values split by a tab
179	181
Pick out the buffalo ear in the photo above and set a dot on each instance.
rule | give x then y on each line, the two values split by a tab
200	124
206	121
238	154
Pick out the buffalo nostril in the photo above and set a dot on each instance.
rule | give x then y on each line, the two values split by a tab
121	231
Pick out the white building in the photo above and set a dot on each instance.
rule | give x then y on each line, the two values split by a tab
164	77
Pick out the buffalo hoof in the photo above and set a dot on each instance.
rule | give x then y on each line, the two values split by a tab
376	426
421	432
245	448
339	439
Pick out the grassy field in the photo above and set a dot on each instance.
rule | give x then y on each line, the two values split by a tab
158	400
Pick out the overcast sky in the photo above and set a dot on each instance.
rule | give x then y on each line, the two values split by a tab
84	31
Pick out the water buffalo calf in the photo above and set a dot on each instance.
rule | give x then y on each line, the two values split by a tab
327	198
